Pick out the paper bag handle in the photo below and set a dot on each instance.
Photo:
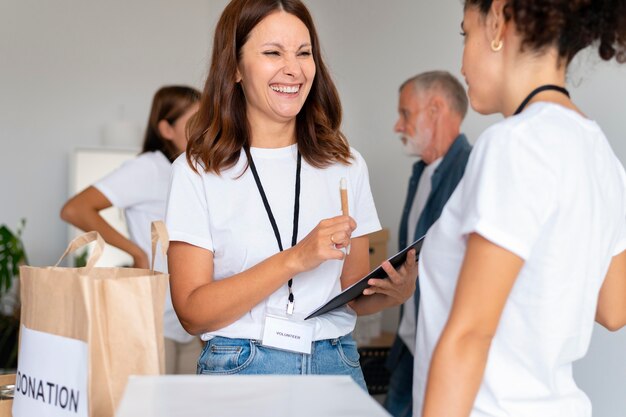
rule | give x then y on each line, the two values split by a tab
82	240
159	234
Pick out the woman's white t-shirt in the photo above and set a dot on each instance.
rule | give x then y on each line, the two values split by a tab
139	187
546	186
225	215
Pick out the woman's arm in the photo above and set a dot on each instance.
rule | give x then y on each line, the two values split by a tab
383	293
204	305
485	281
83	212
611	311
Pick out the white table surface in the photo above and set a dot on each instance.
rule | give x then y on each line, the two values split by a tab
246	396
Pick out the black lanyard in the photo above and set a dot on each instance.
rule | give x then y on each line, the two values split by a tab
537	91
268	209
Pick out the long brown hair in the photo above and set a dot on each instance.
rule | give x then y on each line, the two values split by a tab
169	103
220	129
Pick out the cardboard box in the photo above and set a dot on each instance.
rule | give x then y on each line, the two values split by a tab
378	247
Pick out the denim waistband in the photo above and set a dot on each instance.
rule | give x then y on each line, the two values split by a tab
333	341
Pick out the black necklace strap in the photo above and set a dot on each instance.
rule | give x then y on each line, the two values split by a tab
537	91
268	209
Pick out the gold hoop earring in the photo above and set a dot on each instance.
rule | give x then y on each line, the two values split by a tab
496	45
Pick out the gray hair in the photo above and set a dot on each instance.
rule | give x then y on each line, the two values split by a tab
443	82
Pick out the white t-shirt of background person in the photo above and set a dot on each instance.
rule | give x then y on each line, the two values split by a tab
225	215
406	329
139	186
546	186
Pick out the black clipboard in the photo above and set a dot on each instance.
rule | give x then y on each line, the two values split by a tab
357	288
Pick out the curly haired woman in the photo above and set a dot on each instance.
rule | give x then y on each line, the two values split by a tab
530	248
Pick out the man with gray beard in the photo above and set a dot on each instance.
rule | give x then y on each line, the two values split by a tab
431	107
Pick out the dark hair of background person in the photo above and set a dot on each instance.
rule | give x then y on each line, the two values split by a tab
571	25
220	130
168	103
444	83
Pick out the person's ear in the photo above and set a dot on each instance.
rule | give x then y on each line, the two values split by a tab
435	107
238	77
165	130
496	23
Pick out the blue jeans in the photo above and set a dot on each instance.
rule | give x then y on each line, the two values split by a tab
399	400
224	356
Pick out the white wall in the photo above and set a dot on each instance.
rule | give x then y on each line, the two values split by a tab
66	67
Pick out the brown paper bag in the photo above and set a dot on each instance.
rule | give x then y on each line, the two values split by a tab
85	330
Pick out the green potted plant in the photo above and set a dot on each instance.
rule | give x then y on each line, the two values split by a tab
12	255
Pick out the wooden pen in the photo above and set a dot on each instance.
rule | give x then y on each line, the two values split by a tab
343	191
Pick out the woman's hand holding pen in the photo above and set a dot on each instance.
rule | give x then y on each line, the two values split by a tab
324	242
401	283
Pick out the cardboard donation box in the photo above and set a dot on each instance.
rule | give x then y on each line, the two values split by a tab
84	331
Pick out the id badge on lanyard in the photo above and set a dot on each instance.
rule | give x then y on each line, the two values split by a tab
283	329
287	331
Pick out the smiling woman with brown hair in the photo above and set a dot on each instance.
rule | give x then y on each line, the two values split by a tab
262	174
222	130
